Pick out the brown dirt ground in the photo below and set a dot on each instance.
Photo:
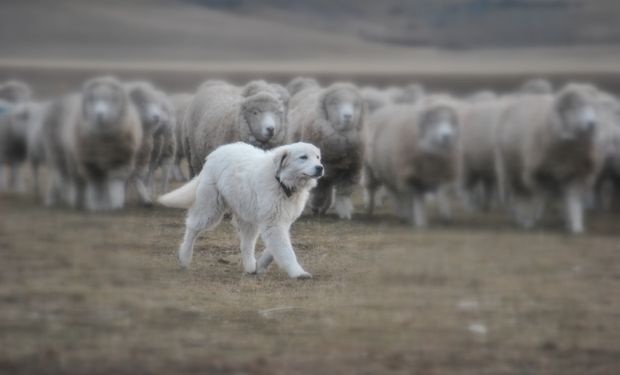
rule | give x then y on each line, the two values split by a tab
88	294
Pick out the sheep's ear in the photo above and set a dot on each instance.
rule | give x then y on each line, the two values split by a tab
137	95
245	103
363	113
323	105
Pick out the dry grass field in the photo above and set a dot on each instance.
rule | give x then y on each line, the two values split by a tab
102	294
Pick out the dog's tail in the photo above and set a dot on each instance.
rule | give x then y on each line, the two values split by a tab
182	197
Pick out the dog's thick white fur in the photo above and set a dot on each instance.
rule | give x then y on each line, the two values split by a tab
265	191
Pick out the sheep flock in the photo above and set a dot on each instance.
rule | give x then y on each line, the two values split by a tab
536	149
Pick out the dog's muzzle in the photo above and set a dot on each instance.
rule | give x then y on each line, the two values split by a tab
318	171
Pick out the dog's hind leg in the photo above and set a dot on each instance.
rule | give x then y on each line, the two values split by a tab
205	214
248	233
278	243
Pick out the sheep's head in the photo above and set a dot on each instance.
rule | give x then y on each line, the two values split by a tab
537	86
150	104
341	105
103	101
299	84
15	92
577	112
263	115
254	87
438	128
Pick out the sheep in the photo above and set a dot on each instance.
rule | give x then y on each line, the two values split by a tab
410	94
254	87
479	120
536	86
608	181
374	99
332	120
180	103
91	139
12	130
481	96
220	114
14	126
15	92
34	141
164	144
546	144
299	84
150	104
414	152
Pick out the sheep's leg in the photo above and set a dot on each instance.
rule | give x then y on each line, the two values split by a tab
573	201
321	198
36	187
143	191
53	196
419	210
501	180
443	203
177	171
15	182
167	172
343	204
370	190
527	209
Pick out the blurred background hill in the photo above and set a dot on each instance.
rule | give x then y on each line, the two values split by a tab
448	23
183	30
453	44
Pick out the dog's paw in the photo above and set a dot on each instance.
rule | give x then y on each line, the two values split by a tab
184	261
304	276
299	274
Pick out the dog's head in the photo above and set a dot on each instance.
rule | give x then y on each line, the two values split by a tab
341	106
578	112
264	115
298	165
103	101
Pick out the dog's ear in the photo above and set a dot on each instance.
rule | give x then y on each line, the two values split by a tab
280	159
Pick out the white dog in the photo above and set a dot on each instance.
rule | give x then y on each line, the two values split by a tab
266	191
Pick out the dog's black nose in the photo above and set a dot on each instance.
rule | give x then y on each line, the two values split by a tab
319	170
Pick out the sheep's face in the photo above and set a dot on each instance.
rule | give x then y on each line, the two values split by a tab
167	115
264	115
25	115
103	101
343	108
438	128
578	112
15	92
297	164
149	103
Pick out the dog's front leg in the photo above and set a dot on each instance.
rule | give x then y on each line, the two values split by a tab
248	234
264	262
279	245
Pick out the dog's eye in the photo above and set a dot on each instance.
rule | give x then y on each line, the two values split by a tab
304	157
